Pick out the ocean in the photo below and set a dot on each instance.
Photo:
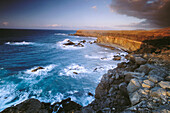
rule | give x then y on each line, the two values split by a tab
69	71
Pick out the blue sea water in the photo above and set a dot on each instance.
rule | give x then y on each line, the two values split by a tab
24	50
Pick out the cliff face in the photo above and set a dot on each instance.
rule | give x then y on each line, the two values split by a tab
129	40
125	44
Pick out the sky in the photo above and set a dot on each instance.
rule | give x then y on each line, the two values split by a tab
72	14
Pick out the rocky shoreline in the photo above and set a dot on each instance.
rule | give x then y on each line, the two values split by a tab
140	85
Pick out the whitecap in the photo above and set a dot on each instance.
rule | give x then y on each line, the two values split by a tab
72	92
19	43
68	47
74	70
60	34
8	93
29	75
93	56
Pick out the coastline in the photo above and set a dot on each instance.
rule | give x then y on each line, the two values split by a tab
126	88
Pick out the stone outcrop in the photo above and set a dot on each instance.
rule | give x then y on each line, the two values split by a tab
136	40
35	106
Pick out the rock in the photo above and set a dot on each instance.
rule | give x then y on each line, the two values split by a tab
133	85
121	65
162	109
123	89
117	58
90	94
71	107
144	68
135	98
168	93
104	58
28	106
154	78
83	41
158	72
69	43
95	70
75	73
38	68
157	92
130	75
79	45
143	92
140	60
147	84
167	78
164	84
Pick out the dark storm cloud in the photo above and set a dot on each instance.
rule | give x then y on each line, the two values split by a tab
156	12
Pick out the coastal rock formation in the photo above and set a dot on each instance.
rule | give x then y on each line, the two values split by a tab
135	40
38	68
74	44
35	106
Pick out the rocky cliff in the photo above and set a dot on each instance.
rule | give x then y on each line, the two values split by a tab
131	40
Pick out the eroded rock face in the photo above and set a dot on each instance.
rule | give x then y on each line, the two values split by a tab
29	106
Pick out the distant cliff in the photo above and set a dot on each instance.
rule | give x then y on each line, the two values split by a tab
132	40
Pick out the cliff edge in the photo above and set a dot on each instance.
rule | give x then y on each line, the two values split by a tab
131	40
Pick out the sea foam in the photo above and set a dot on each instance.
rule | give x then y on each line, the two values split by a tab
63	34
74	69
68	47
19	43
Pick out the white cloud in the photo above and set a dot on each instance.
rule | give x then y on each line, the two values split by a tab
54	25
94	7
5	23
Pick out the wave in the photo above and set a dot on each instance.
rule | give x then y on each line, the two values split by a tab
19	43
74	70
61	34
8	96
29	75
68	47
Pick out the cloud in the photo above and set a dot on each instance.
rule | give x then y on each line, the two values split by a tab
155	12
5	23
94	7
54	25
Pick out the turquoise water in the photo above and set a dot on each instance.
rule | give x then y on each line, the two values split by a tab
24	50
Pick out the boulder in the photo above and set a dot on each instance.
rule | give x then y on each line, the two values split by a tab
168	93
167	78
69	43
130	75
154	78
157	92
79	45
83	41
28	106
90	94
144	68
147	84
75	73
140	60
133	85
135	98
158	72
117	58
164	84
38	68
